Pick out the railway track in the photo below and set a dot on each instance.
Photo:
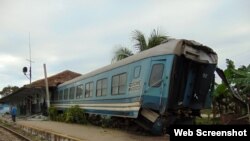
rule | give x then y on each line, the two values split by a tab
8	134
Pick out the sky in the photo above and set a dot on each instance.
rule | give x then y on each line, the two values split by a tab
82	35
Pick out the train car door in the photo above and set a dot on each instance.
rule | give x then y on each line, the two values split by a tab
153	89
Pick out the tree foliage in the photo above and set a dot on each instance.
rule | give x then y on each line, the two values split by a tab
121	53
242	79
239	80
141	44
8	90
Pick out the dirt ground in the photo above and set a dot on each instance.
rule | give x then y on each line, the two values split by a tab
86	132
91	133
6	136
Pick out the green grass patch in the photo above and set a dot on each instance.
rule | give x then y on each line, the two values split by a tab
207	121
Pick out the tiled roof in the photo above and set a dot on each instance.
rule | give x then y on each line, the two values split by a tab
55	80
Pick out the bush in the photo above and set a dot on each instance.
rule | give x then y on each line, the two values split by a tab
61	117
72	115
53	113
75	115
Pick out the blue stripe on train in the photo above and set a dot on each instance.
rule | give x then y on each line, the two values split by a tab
100	101
132	114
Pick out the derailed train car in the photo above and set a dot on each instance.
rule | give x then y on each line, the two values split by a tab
163	85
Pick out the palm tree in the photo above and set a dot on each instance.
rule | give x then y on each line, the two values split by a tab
155	39
141	44
121	53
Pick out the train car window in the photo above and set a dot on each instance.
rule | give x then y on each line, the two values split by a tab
72	93
115	84
99	88
79	91
60	95
66	94
89	89
119	84
137	71
122	83
156	75
102	87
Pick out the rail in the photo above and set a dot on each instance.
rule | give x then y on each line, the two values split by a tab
15	133
48	134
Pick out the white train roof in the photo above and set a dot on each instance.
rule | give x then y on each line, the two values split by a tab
190	49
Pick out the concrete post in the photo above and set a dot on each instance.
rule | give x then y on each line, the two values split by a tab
46	85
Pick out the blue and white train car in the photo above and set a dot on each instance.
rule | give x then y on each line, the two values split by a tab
162	84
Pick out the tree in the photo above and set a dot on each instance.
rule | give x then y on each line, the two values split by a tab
8	90
230	75
239	80
121	53
242	79
220	94
141	44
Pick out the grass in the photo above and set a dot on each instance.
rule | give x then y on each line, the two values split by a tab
207	121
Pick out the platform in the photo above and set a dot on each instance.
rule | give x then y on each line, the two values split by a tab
87	132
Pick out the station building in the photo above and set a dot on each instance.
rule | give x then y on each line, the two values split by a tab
31	99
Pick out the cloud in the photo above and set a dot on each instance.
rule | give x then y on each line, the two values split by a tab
81	35
8	60
10	70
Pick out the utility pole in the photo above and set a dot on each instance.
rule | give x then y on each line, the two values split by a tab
30	57
25	69
46	85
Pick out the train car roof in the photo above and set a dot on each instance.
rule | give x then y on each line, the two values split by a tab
177	47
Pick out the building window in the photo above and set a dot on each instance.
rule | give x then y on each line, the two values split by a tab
137	71
102	87
79	92
156	75
60	95
89	89
66	94
72	93
119	84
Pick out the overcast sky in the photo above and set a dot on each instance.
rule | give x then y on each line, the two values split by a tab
81	35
